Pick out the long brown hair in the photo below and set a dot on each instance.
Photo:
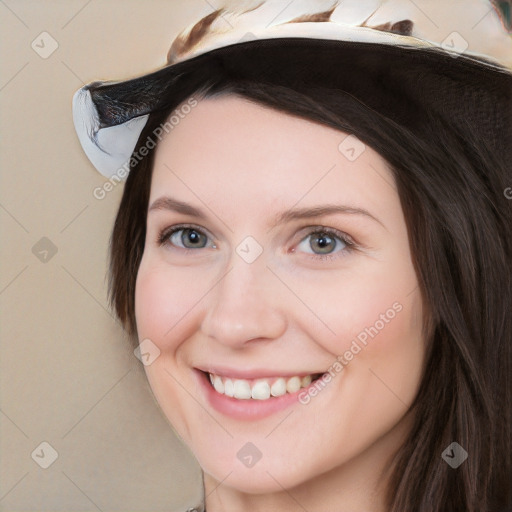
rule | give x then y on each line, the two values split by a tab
451	183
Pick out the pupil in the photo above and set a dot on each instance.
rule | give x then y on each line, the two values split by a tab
192	237
324	241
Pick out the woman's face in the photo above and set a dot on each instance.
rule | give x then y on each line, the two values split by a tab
288	258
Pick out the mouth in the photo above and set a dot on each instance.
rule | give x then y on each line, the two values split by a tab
255	398
260	388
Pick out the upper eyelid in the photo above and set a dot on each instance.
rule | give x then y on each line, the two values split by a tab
329	230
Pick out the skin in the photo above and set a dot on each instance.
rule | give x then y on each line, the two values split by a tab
243	164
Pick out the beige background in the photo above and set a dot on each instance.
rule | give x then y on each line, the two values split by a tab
68	373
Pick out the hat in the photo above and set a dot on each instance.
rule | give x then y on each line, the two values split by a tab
429	56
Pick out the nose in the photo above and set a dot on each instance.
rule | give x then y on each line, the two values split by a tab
244	305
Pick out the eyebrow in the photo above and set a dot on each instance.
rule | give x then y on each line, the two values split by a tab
169	203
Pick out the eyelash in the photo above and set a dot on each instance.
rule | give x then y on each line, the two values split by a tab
165	234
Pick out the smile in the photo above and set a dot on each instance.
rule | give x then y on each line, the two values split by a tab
260	389
250	395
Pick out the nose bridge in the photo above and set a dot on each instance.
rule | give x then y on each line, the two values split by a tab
242	306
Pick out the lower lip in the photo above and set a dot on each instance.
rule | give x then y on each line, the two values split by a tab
249	409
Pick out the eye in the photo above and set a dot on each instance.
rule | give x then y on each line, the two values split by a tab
324	243
320	242
185	237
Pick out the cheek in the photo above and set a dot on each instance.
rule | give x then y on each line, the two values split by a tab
162	301
377	344
370	310
378	354
381	350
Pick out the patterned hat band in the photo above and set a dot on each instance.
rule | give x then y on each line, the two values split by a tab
467	38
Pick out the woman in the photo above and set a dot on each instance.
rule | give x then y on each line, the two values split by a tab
313	252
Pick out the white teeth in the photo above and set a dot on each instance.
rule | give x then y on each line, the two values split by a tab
260	389
229	388
242	389
278	388
293	384
218	384
306	381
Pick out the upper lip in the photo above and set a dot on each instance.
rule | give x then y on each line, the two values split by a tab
253	373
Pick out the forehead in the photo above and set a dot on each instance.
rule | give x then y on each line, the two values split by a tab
231	149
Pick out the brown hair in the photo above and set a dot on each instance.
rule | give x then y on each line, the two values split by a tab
451	185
